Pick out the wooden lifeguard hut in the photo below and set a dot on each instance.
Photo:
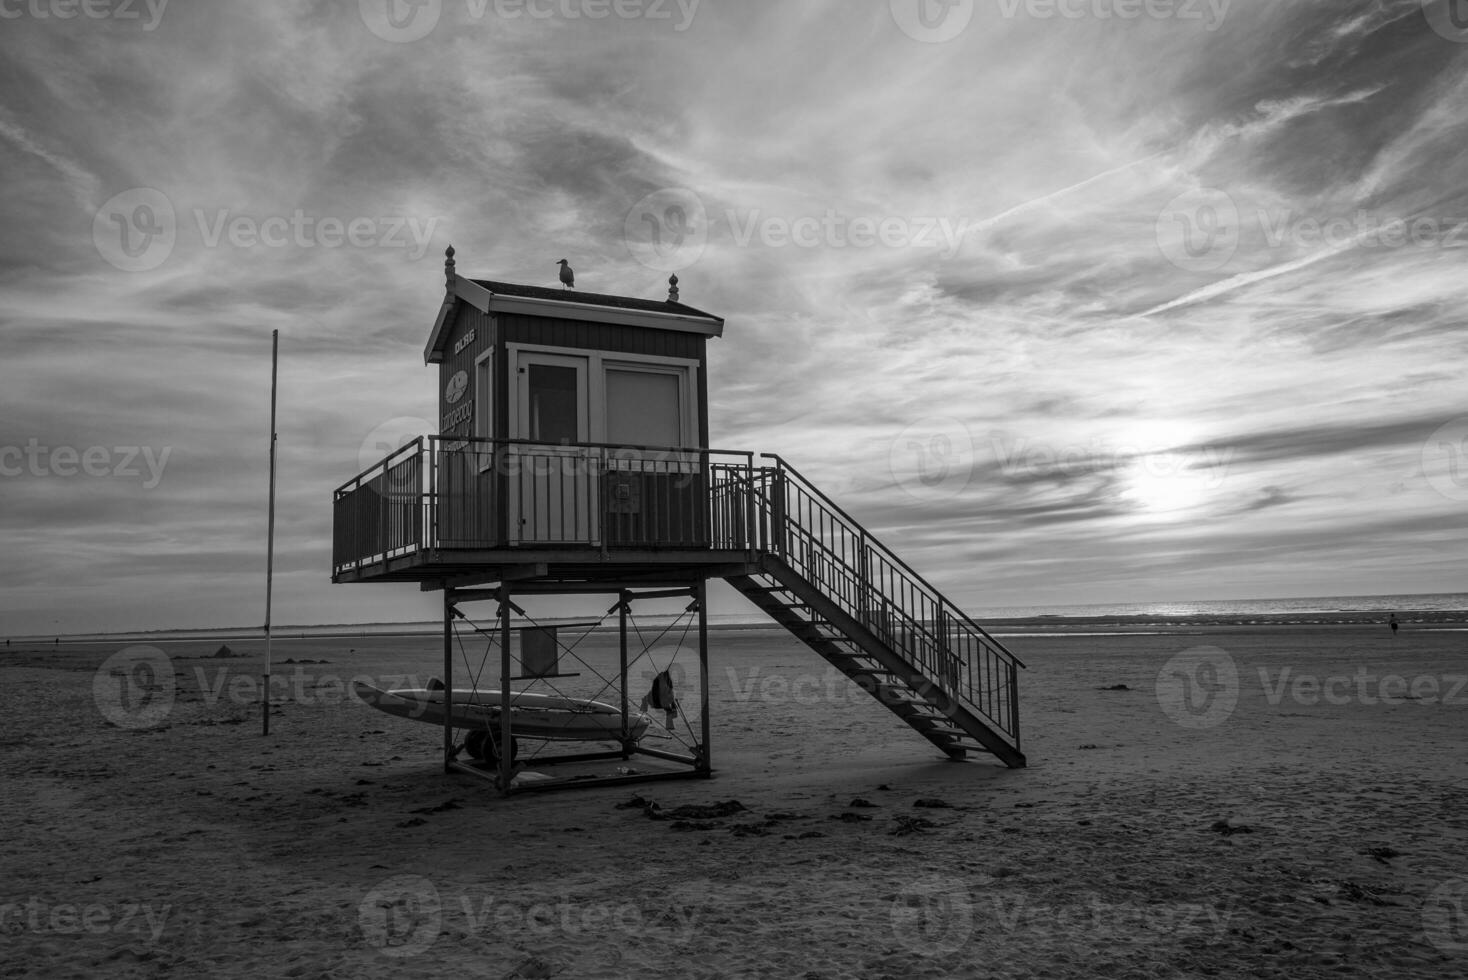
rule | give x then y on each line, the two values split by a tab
573	458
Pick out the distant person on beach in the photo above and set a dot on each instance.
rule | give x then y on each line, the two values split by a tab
1392	622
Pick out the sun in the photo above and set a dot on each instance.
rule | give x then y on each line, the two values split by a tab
1164	483
1163	473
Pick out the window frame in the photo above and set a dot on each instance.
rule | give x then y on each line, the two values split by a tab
597	363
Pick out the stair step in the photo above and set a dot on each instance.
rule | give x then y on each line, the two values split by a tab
947	734
920	714
920	704
908	696
881	630
930	727
846	663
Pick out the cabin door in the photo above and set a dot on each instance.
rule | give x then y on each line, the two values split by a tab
552	480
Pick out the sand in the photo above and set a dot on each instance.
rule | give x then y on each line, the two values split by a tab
1279	832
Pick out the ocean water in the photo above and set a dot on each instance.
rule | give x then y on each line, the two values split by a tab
1426	602
1170	612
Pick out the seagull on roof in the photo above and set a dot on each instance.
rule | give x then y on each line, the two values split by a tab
568	278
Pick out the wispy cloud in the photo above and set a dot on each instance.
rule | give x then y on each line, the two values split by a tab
1118	424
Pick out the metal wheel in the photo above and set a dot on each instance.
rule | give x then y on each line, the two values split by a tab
493	757
476	743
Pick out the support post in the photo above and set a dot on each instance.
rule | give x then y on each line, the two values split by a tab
270	539
701	592
779	530
506	736
751	513
448	678
1014	704
622	659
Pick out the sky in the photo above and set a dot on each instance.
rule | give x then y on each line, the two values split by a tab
1069	301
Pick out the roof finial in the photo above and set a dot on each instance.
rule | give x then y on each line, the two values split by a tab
448	268
673	288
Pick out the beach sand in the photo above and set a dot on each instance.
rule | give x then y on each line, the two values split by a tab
1267	829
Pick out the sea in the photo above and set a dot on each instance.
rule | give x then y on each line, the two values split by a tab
1273	609
1437	607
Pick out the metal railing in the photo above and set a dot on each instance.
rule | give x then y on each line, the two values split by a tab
438	494
834	552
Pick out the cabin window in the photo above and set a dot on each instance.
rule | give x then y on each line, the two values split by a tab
644	407
560	395
484	395
554	395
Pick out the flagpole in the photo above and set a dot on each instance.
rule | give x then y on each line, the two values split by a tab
270	539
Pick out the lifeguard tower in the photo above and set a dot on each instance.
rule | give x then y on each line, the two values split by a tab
573	458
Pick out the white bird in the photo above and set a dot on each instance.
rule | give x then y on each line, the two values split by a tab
568	278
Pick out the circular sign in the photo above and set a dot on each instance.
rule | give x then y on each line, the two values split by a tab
456	387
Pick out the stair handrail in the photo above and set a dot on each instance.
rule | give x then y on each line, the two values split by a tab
876	544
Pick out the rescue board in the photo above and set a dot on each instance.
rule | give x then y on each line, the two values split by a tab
532	715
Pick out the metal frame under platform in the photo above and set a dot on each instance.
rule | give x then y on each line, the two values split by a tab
502	770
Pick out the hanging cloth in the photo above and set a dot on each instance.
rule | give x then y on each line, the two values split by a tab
661	696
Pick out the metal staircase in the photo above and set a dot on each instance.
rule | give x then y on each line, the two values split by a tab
850	599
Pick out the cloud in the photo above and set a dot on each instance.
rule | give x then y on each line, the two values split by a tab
1053	319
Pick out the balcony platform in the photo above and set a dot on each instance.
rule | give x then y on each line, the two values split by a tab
551	569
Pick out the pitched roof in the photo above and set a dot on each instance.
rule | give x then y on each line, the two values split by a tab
489	295
593	299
